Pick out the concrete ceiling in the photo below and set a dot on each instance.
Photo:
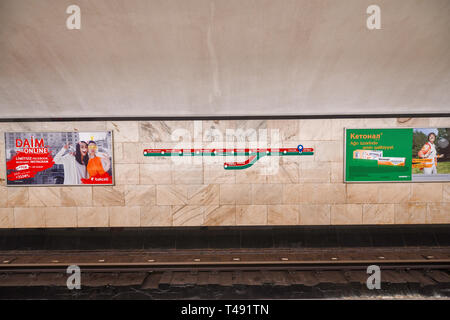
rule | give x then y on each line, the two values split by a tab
223	57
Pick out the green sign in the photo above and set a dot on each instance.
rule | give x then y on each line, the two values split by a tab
376	155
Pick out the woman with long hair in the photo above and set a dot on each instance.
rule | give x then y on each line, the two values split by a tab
428	151
74	163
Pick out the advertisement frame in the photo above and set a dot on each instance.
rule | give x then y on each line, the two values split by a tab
61	185
387	181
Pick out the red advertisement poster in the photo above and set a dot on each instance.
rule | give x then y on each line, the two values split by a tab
55	158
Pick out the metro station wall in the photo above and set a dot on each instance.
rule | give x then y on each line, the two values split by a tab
153	191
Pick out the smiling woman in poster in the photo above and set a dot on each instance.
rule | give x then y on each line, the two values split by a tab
74	163
99	162
428	151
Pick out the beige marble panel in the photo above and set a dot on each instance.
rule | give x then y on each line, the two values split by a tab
446	192
6	218
126	173
409	213
235	194
314	172
338	126
108	196
157	173
187	174
287	172
3	197
92	217
380	123
394	192
29	217
329	151
362	193
140	195
124	131
337	172
156	216
76	196
254	174
128	152
326	193
124	216
44	196
378	213
289	129
60	217
438	212
413	122
168	131
188	215
282	214
315	129
203	194
344	214
443	122
216	130
223	215
17	197
171	195
251	215
426	192
314	214
292	193
215	173
267	193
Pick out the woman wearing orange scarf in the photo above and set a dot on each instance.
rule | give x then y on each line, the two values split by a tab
99	162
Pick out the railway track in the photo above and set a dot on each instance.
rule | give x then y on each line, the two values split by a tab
288	273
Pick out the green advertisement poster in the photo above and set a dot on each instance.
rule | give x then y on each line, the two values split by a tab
378	155
409	154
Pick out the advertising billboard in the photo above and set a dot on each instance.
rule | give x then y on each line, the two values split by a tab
59	158
395	155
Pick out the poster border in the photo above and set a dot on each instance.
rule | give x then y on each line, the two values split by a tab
61	185
390	181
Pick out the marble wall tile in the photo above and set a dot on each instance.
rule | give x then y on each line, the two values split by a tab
156	216
44	197
330	193
169	131
220	215
92	217
292	194
410	213
171	195
282	214
126	173
235	194
314	214
158	173
140	195
446	192
285	173
124	131
413	122
203	194
6	218
289	129
188	215
124	216
17	197
108	196
187	174
215	173
3	197
426	192
29	217
378	213
343	214
329	151
362	193
76	196
394	193
267	193
251	215
60	217
438	212
315	129
315	172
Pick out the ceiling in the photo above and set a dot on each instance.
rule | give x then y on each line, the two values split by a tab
223	58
